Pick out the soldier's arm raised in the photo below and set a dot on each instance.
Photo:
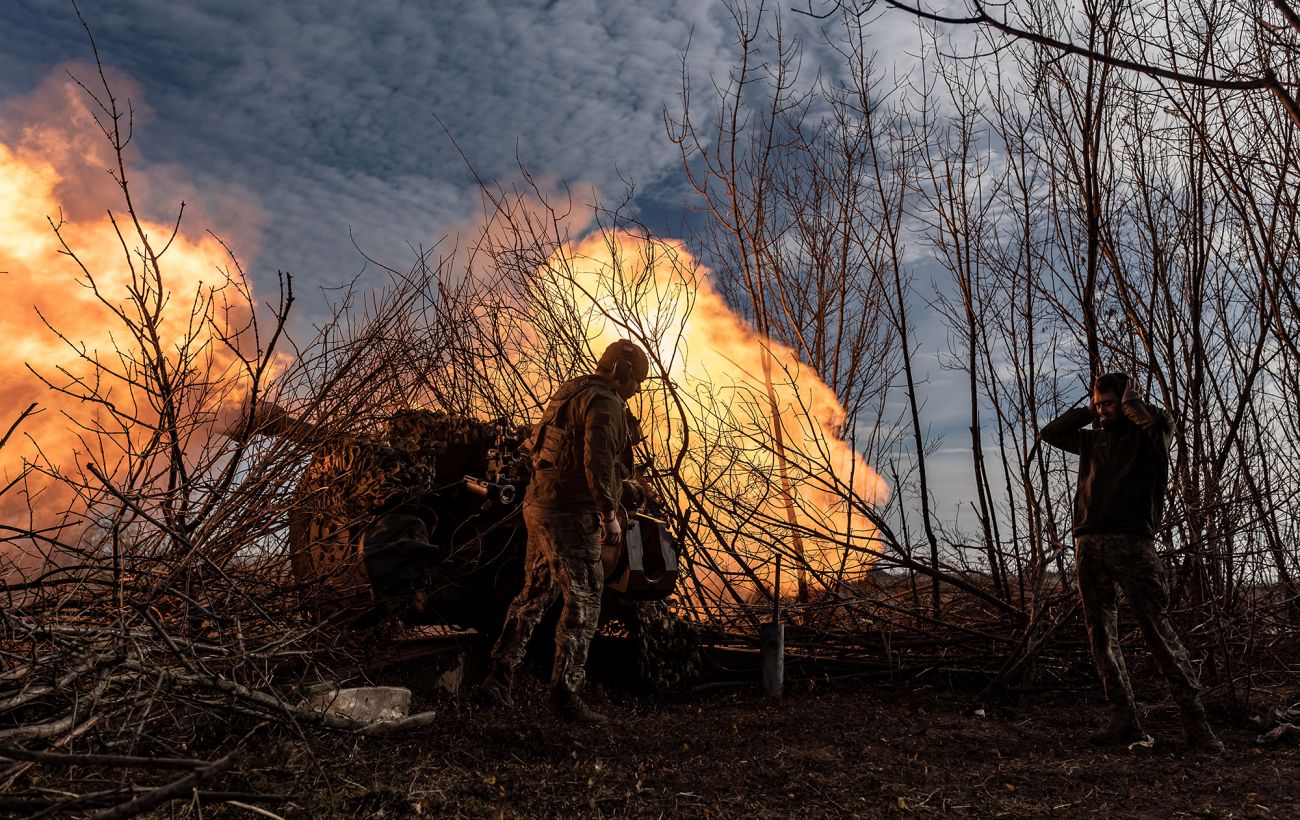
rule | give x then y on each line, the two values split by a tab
1066	430
1155	422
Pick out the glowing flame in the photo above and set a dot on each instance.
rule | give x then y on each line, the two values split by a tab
53	169
762	428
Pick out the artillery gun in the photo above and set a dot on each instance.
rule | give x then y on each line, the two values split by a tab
426	526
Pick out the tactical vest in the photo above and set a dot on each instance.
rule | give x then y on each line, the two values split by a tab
552	443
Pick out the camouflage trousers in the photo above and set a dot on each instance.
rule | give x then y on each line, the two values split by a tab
1131	562
563	559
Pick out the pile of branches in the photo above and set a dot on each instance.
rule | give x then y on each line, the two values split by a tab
148	615
145	659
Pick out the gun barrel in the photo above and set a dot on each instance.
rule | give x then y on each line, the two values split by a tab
503	494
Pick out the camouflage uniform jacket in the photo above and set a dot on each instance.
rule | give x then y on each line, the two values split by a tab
581	448
1123	471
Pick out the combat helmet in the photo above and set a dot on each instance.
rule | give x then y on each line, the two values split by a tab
624	358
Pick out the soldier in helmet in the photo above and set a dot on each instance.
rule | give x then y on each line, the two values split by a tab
580	456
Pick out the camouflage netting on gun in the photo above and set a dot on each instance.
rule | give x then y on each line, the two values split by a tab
351	484
668	648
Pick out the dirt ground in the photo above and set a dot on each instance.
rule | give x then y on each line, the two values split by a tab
847	749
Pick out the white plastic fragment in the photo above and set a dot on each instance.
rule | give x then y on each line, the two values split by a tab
451	680
364	704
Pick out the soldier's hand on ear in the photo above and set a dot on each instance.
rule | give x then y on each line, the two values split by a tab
611	531
1129	393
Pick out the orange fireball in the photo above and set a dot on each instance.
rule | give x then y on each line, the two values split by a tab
77	273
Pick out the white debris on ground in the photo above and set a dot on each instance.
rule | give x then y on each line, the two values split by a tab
364	704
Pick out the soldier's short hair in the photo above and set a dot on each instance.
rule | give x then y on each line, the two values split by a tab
1111	383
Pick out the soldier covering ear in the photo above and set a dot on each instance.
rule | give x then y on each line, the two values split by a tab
1118	506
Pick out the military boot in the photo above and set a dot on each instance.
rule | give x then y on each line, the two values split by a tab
570	707
495	688
1200	738
1122	729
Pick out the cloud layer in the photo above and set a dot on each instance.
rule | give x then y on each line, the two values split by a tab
326	110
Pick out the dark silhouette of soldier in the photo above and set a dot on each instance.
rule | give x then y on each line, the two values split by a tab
580	457
1123	473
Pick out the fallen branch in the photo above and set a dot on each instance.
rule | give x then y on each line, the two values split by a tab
39	805
172	791
115	761
392	727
